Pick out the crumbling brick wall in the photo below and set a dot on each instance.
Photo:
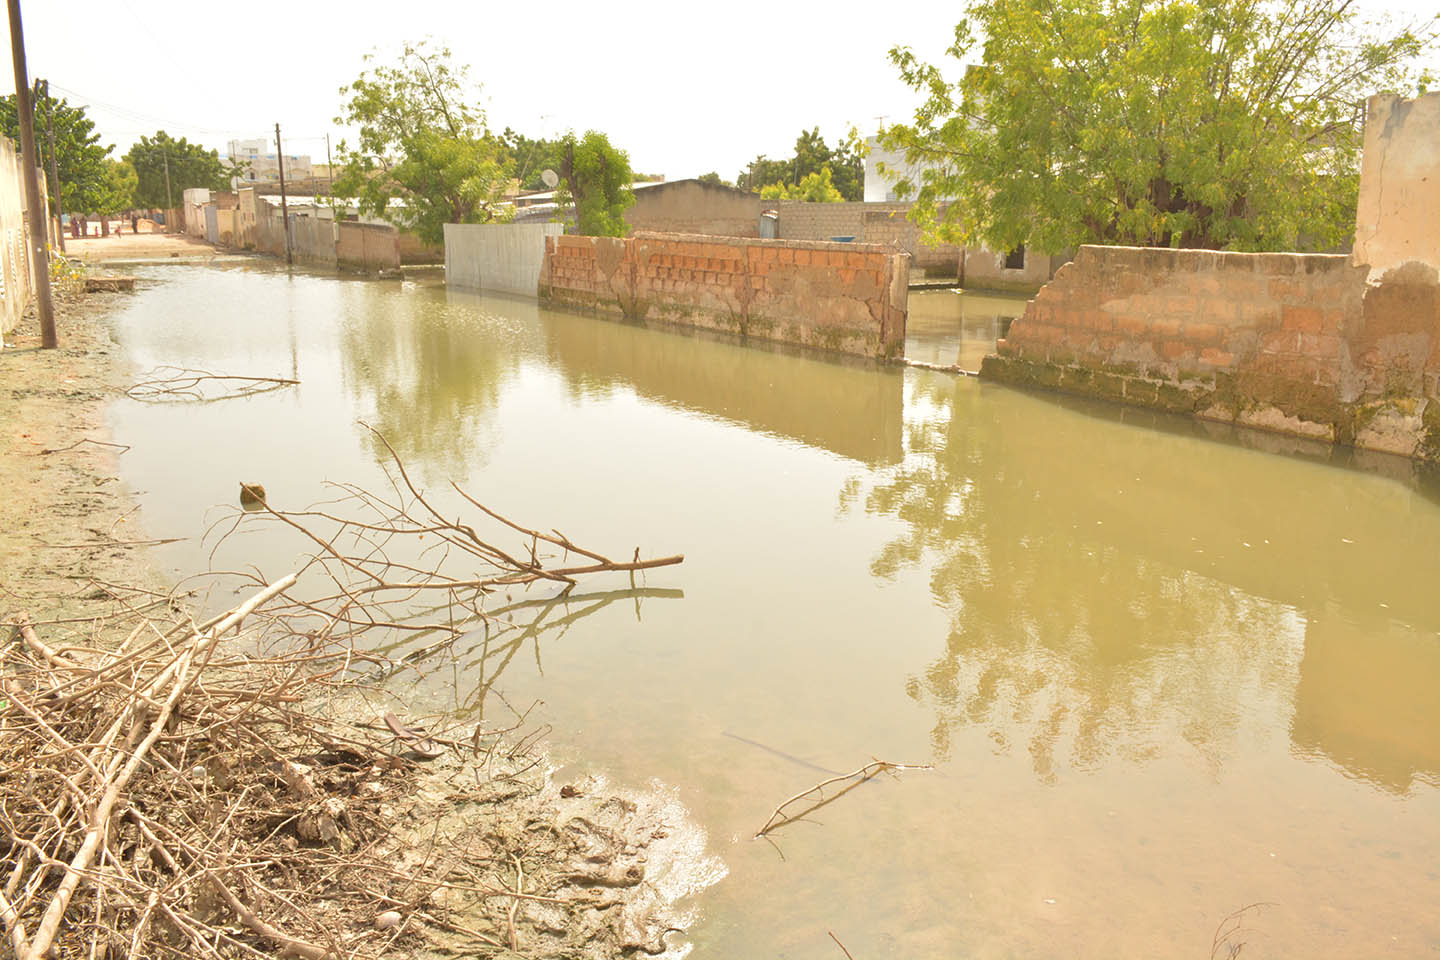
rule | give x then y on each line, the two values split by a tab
836	296
1286	341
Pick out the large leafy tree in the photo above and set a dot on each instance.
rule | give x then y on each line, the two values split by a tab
846	160
1201	123
189	165
79	155
818	187
595	179
117	190
421	143
529	159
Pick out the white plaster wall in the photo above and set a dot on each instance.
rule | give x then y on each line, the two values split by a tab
1398	219
504	257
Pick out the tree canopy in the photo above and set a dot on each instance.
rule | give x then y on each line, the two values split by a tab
79	155
1200	123
190	164
846	161
595	179
422	144
817	187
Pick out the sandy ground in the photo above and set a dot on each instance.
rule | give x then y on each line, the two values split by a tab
129	246
64	514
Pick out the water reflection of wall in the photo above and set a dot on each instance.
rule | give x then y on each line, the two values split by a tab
1114	588
849	408
1367	699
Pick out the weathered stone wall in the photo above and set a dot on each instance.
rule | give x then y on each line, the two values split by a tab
1292	342
1396	222
835	296
1341	348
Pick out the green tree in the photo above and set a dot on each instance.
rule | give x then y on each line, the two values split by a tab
816	187
1203	123
713	178
424	157
595	179
529	159
846	161
190	165
117	191
79	155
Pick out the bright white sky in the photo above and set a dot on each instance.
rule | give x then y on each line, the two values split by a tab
685	88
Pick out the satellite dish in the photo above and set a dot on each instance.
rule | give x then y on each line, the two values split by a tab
549	178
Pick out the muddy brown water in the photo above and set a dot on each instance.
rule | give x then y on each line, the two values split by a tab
1161	676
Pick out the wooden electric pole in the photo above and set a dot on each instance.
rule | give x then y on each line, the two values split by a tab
284	209
329	171
39	258
54	167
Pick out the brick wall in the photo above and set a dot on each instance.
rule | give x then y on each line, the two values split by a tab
845	297
367	246
1298	343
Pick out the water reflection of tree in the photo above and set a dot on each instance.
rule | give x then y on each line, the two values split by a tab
1066	634
432	371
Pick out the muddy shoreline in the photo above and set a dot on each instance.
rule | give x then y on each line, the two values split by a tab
607	871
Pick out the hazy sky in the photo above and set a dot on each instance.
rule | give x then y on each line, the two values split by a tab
684	91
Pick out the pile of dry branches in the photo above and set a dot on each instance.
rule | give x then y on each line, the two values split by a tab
179	790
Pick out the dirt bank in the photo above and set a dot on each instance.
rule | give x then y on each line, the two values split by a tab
597	871
65	515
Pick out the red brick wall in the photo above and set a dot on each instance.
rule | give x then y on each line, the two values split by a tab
1288	341
836	296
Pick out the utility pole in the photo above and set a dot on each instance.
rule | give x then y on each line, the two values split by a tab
54	167
284	209
329	170
39	258
165	157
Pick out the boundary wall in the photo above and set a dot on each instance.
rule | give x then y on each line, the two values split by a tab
1339	348
1297	343
17	282
845	297
504	257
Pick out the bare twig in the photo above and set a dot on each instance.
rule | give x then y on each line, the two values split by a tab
780	817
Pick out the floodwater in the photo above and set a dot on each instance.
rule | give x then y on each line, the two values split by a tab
1161	676
954	327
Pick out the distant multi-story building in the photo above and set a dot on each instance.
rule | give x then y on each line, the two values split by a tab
263	165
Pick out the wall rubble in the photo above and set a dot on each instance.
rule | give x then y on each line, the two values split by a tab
844	297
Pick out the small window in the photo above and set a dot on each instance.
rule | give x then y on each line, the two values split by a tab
1015	259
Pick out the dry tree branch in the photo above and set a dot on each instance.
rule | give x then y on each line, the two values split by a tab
779	818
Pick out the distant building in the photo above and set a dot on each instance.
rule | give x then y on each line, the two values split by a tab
262	165
880	186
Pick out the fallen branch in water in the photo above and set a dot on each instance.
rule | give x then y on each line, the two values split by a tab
182	384
780	818
166	794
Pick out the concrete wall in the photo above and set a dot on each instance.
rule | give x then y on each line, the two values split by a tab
1398	219
887	223
1297	343
690	206
845	297
16	278
369	247
413	250
505	257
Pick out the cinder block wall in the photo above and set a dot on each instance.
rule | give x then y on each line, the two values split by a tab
887	223
1298	343
836	296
